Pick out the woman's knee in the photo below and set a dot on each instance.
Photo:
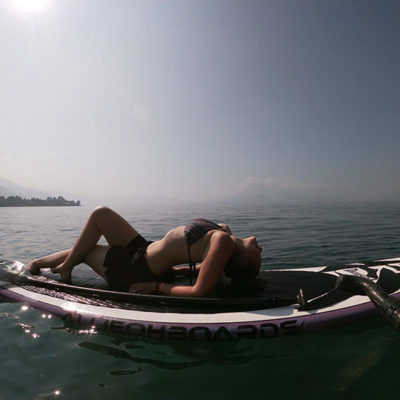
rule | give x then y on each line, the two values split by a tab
101	212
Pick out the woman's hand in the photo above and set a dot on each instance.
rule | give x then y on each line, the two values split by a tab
143	288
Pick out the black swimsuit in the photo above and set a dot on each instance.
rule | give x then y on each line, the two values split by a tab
127	265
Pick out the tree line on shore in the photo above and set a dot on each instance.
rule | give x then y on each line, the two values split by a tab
17	201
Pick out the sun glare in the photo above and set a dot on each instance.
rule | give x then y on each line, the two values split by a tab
31	5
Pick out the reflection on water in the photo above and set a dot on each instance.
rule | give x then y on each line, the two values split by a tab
174	356
356	368
337	361
340	360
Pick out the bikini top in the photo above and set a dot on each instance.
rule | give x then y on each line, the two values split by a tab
194	232
198	228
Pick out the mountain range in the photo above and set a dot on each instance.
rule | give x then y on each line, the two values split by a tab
9	188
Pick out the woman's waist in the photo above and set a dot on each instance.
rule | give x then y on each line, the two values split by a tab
161	267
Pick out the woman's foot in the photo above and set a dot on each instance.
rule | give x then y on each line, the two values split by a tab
34	267
50	261
64	271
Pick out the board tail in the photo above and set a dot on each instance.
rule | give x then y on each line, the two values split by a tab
389	307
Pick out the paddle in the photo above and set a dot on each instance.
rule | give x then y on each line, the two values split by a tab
389	307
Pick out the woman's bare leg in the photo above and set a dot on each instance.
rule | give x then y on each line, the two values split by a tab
102	221
49	261
95	259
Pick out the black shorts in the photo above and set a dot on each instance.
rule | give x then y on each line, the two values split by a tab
127	265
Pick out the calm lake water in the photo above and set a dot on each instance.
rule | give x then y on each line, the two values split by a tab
43	359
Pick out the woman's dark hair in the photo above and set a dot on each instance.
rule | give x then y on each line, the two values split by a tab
239	268
243	275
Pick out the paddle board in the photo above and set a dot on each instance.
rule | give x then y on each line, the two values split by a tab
291	301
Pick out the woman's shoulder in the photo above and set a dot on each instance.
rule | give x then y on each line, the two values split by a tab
220	238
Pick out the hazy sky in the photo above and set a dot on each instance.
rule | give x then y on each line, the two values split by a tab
201	99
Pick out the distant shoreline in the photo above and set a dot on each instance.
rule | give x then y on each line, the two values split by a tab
17	201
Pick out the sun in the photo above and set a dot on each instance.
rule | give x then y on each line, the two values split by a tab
32	5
